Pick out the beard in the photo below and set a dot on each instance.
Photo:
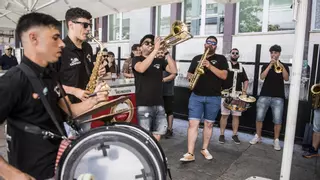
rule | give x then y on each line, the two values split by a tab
234	59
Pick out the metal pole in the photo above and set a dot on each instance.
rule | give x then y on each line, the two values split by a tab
294	88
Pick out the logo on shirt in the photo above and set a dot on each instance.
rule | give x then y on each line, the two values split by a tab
157	66
89	57
57	90
74	61
213	62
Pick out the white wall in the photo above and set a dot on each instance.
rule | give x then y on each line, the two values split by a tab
247	45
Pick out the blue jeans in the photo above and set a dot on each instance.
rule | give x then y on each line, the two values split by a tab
208	106
316	121
276	105
152	119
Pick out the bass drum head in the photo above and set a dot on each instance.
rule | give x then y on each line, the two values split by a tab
111	152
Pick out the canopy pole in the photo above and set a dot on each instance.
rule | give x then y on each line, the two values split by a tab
300	29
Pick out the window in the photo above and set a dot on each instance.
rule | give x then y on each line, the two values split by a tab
213	16
250	16
163	23
265	16
280	15
119	27
316	15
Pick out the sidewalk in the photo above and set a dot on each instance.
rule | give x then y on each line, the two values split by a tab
231	161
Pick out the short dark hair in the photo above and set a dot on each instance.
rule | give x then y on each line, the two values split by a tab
135	47
34	19
148	36
234	49
212	37
110	53
75	13
275	48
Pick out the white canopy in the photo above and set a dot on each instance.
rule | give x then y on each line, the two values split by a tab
11	10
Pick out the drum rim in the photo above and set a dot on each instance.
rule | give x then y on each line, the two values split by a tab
97	132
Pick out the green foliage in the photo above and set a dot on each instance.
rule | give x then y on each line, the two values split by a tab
248	20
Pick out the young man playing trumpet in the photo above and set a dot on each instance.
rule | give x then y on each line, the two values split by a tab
242	86
148	76
206	97
272	95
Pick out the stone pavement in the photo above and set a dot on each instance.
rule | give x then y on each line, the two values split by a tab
231	161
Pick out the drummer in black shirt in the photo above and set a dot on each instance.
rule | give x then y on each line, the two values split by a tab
148	75
206	97
271	95
241	86
29	154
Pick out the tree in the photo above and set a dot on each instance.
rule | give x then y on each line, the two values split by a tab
248	20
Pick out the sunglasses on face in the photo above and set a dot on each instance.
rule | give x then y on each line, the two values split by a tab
84	24
9	49
211	43
147	43
105	56
235	53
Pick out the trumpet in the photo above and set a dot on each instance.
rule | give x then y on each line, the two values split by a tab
315	92
179	33
277	67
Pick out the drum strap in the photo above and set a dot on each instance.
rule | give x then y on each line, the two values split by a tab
39	88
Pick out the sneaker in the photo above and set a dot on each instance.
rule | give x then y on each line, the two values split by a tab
188	157
255	140
221	139
311	153
276	145
236	139
168	134
206	154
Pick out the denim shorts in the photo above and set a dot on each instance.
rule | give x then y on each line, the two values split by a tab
276	105
316	121
208	106
152	119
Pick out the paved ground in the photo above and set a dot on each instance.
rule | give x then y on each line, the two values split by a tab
231	161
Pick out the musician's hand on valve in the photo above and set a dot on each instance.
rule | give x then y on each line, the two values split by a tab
81	94
272	62
206	64
157	43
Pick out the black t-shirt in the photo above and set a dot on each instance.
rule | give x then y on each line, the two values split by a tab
209	84
241	77
149	84
29	152
7	62
273	85
75	66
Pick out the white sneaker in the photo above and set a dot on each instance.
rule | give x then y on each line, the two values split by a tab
276	145
206	154
255	140
187	157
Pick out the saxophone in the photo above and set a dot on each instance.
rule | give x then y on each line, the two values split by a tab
199	71
92	84
315	94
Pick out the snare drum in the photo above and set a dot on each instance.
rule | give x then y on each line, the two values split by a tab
236	104
118	151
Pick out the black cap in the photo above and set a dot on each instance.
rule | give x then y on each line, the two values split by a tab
148	36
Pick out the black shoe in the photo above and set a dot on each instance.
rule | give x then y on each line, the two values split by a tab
221	139
311	153
236	139
169	134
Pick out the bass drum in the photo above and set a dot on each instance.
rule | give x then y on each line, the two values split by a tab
119	151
